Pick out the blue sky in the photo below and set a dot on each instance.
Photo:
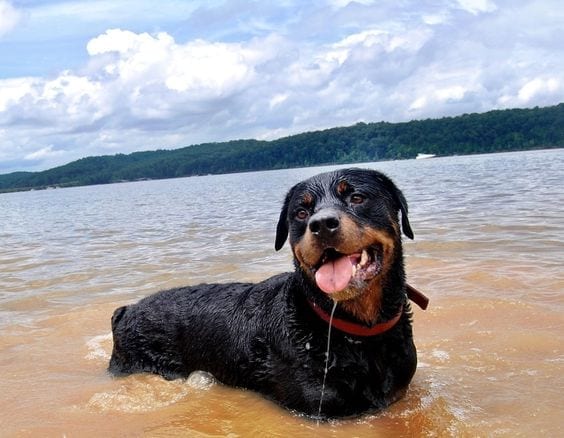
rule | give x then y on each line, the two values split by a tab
81	78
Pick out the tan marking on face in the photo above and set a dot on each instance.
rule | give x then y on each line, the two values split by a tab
307	199
342	187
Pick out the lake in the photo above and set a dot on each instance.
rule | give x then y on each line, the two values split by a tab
488	251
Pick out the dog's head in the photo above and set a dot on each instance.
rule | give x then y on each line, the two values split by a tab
345	234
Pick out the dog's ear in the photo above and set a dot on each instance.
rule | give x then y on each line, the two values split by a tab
400	201
405	225
282	227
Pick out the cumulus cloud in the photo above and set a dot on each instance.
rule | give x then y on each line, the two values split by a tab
536	87
381	61
199	68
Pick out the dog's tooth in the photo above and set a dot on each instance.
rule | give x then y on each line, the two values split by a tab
354	270
364	257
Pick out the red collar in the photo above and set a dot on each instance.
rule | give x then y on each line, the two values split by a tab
353	328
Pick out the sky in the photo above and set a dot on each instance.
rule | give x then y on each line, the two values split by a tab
81	78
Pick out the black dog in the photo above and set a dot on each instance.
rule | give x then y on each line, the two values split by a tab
271	337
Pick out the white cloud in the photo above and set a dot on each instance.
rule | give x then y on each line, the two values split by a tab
198	69
219	68
410	40
536	87
13	90
277	99
9	17
418	104
436	18
438	89
453	93
43	153
65	101
477	6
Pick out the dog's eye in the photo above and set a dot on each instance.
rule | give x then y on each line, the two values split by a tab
357	198
302	214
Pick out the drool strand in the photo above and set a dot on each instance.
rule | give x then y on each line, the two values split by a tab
326	362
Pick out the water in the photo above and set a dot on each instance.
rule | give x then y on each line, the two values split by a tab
488	251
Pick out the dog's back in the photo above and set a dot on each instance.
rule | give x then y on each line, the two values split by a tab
205	327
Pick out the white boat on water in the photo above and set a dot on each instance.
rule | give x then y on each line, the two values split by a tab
423	156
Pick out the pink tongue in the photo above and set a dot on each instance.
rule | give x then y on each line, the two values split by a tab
335	275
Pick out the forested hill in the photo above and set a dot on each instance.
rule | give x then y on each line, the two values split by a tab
494	131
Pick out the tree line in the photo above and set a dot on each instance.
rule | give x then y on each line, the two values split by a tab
493	131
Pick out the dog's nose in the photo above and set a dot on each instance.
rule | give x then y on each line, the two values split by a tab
324	223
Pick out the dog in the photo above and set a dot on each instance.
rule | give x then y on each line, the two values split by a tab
271	337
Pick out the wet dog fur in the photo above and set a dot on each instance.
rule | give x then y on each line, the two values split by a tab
266	336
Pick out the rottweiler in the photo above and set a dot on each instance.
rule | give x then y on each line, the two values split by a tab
272	337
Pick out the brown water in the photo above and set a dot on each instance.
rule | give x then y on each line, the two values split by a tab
488	250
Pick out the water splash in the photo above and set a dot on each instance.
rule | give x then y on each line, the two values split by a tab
99	347
326	362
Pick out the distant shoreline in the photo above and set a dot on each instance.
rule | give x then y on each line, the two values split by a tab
469	134
265	170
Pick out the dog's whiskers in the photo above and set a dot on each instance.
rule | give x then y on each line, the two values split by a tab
326	362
